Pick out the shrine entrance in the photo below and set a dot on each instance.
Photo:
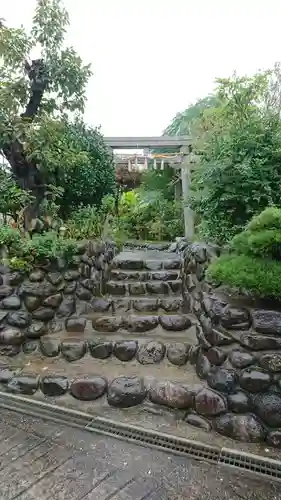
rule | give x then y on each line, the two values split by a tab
180	157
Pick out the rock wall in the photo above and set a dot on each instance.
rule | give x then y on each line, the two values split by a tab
238	353
52	298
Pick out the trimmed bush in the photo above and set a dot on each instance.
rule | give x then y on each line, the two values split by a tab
267	219
252	274
255	264
262	236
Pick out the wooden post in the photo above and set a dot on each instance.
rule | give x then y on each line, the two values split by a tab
178	190
185	179
146	155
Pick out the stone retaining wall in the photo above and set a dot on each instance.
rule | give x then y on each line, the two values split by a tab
52	298
238	353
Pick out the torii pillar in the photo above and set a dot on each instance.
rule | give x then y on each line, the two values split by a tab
185	180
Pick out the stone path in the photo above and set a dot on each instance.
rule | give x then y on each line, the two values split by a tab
41	460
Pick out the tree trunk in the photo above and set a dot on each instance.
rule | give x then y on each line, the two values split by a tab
26	172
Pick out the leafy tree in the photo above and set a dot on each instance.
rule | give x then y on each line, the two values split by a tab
240	147
33	90
77	160
182	122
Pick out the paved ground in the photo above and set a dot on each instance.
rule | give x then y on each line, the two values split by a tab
41	460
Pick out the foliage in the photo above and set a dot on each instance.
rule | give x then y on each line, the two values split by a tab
77	161
10	238
240	147
48	246
262	236
160	180
92	222
251	274
20	265
270	218
41	247
65	72
13	199
36	97
128	201
86	222
151	217
182	122
143	215
254	261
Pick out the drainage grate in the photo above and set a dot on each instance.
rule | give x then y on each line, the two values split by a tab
154	439
38	409
253	463
262	466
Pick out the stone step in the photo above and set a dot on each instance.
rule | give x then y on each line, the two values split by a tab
162	275
150	260
141	324
149	358
158	334
94	385
121	288
144	351
138	303
147	305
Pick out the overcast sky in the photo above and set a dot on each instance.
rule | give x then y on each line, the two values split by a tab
152	58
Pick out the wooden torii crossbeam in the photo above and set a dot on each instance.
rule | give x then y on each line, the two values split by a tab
164	141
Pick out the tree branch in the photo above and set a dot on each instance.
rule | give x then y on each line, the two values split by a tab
37	75
25	171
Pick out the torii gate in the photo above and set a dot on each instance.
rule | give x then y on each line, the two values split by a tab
181	143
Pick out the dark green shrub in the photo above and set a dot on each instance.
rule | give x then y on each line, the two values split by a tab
262	236
270	218
256	275
254	263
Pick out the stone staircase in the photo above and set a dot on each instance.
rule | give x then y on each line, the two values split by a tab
145	300
138	334
141	326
